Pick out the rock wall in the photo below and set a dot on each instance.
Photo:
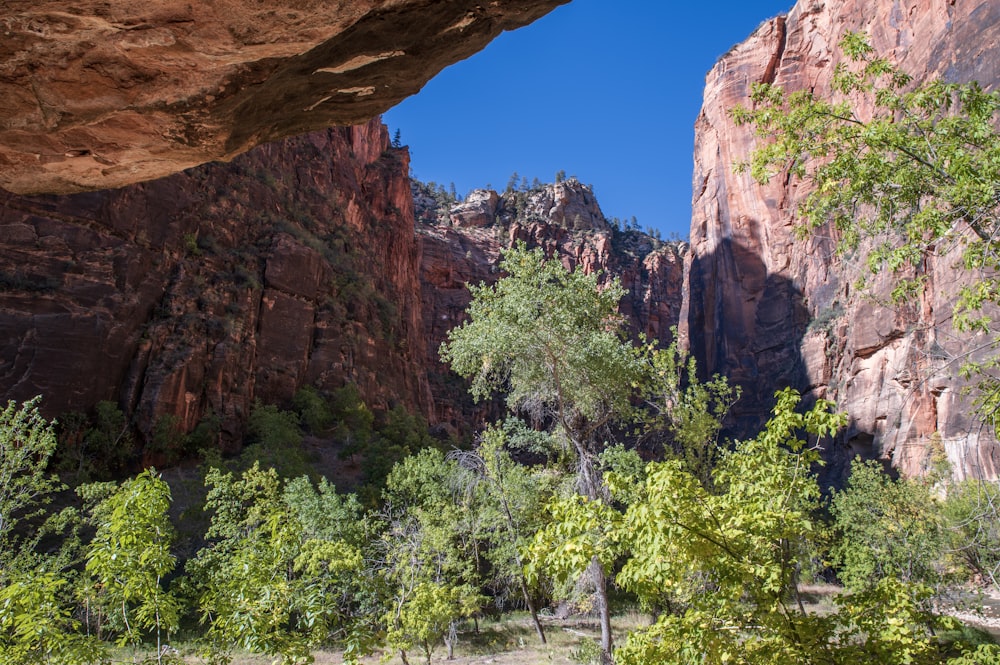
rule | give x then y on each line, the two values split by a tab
98	94
770	310
299	263
461	244
295	264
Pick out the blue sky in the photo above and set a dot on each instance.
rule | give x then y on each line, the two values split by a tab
607	90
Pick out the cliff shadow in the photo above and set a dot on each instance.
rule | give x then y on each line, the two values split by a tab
748	325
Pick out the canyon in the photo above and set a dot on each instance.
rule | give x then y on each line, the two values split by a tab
314	260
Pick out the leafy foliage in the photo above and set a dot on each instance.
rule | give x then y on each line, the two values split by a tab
886	528
129	557
27	441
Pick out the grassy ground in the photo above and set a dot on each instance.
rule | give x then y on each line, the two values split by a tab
511	641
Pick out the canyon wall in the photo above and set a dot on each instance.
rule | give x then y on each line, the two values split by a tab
295	264
99	94
298	263
769	309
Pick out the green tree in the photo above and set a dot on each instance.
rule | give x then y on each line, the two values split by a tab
553	341
914	175
722	562
690	411
283	571
511	511
428	563
36	623
129	557
27	442
972	521
886	528
246	596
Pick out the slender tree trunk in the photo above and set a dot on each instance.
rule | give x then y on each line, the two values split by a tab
450	640
531	609
603	609
402	657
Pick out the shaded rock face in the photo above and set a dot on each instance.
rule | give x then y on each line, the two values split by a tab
462	245
772	310
102	94
295	264
298	263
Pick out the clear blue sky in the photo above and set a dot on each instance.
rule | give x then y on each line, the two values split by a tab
607	90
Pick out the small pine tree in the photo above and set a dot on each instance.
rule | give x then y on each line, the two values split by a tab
397	139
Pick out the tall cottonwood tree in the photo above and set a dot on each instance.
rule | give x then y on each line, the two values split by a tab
552	340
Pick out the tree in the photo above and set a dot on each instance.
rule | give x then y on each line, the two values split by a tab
553	341
689	411
511	509
427	562
36	623
129	557
27	442
886	528
244	580
283	571
973	528
916	174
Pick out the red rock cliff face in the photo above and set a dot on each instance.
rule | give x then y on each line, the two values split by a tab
771	310
295	264
462	245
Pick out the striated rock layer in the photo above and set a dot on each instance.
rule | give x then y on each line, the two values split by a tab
102	94
295	264
771	310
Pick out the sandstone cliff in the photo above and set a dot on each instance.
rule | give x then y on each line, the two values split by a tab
299	263
771	310
461	244
296	263
102	94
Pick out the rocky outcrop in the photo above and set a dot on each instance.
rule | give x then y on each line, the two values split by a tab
102	94
461	244
770	309
295	264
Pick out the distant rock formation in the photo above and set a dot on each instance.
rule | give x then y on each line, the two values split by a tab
769	309
461	244
96	95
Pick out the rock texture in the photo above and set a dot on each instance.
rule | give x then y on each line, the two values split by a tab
103	94
461	244
298	263
295	264
770	309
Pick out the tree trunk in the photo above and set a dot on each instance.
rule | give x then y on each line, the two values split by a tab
449	641
603	609
402	657
531	609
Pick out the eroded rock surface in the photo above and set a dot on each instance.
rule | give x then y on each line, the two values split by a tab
771	310
102	94
461	245
295	264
